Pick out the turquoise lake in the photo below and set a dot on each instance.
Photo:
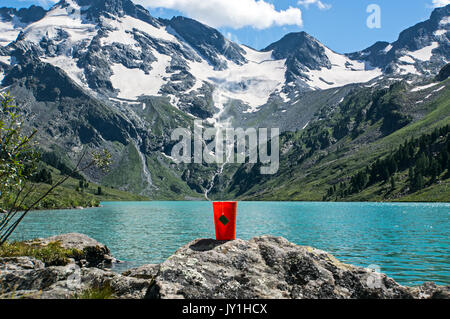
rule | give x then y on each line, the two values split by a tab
409	242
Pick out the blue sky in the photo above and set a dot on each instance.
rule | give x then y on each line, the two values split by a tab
339	24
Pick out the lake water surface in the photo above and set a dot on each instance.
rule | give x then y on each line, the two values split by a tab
409	242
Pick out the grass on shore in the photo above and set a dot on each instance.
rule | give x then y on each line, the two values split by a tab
104	292
51	255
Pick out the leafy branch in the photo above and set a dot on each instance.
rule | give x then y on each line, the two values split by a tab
18	162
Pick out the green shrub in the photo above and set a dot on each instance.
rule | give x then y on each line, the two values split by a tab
104	292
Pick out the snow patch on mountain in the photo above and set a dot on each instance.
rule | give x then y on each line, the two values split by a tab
61	18
8	32
68	65
133	83
439	33
410	58
407	69
425	53
120	34
440	89
388	48
174	100
5	59
424	87
407	59
306	125
342	72
445	21
125	26
284	97
251	83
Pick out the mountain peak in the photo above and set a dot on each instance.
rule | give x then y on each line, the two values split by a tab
420	49
13	21
94	9
300	46
292	42
26	15
207	41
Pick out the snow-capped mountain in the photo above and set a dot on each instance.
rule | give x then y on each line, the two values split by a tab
421	49
13	21
312	65
106	74
116	49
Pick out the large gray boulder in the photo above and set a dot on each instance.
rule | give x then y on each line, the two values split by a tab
25	277
271	267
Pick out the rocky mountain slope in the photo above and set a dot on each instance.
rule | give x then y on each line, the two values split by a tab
106	74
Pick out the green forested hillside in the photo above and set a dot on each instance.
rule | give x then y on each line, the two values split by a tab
425	158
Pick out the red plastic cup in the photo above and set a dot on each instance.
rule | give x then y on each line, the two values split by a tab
225	220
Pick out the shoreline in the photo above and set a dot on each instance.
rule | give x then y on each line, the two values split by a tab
239	201
279	201
54	209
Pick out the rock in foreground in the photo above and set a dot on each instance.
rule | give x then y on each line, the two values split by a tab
272	267
264	267
27	277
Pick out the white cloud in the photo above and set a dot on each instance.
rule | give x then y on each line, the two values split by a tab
440	3
235	14
318	3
